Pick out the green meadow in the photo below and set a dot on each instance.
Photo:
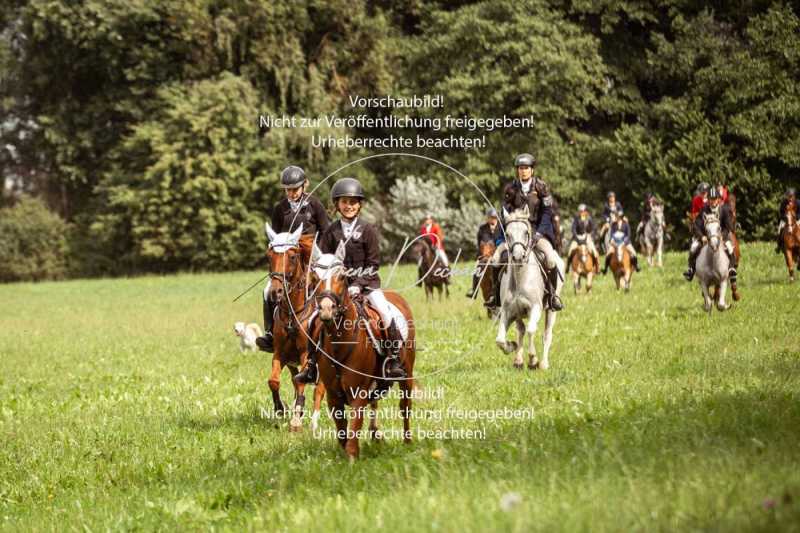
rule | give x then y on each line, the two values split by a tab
125	404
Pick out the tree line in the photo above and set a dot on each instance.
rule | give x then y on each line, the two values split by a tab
135	123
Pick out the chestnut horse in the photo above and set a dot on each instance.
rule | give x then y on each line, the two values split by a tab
621	263
431	271
486	272
287	290
791	240
582	264
349	365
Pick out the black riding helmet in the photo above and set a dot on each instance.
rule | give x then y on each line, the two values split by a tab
714	194
347	187
292	177
524	160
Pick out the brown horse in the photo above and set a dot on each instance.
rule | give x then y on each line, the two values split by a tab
486	272
621	265
791	240
583	266
287	291
431	271
349	364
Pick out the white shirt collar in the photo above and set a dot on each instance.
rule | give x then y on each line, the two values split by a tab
348	227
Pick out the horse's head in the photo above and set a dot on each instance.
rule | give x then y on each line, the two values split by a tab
518	233
486	250
285	261
714	233
328	276
657	214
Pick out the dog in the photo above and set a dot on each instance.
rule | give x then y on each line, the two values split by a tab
247	336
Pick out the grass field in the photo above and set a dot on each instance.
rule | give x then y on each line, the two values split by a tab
125	404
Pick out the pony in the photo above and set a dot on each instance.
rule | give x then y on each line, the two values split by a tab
287	290
486	272
431	271
582	264
652	238
620	261
712	266
791	240
349	342
522	290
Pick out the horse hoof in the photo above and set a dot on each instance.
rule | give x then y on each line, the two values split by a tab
533	366
295	425
736	296
519	366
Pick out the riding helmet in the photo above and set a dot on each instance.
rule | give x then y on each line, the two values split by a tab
347	187
704	187
790	191
292	177
610	194
581	208
714	194
525	160
491	212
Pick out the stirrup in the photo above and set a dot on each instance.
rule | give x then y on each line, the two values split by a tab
555	303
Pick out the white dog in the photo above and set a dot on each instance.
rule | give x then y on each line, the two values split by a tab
247	336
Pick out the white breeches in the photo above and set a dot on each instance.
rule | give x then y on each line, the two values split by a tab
443	256
388	311
631	249
589	244
697	243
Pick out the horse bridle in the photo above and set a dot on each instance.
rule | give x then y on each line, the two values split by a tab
527	244
327	293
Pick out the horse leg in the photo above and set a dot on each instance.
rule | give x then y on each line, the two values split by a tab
706	297
319	393
576	281
374	432
649	254
787	255
549	323
721	289
359	409
296	422
519	345
407	388
275	384
589	278
502	329
336	408
533	322
660	250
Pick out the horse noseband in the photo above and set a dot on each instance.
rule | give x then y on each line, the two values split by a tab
333	296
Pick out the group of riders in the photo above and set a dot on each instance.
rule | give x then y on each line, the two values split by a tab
526	191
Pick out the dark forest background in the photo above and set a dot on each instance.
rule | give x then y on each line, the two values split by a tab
129	138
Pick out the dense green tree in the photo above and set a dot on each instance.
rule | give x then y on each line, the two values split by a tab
33	242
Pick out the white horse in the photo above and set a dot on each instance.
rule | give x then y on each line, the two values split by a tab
712	266
522	292
653	235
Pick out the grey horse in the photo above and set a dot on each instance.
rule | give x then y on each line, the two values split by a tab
522	292
653	236
712	266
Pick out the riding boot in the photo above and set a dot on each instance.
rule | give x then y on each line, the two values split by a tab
265	342
552	282
394	367
779	247
732	269
635	262
494	299
607	264
689	274
309	373
471	292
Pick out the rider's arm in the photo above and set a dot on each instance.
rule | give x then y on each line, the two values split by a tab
368	277
277	220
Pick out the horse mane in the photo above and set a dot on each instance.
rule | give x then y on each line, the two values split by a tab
517	214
